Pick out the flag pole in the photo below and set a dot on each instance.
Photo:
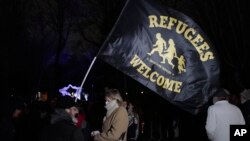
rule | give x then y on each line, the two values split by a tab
85	77
93	61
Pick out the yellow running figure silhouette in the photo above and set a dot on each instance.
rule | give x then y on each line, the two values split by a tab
170	53
159	45
181	64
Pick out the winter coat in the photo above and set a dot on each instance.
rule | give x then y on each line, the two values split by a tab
114	126
62	128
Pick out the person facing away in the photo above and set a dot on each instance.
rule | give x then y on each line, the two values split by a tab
63	122
220	116
133	127
245	105
115	122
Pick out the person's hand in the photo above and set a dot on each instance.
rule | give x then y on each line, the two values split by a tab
93	133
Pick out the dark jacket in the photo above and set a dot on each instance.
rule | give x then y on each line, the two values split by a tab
245	108
62	128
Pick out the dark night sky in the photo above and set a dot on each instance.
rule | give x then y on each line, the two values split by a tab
47	46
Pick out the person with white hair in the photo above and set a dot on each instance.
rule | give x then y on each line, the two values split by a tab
245	105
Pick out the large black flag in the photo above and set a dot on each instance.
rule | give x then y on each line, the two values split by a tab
165	51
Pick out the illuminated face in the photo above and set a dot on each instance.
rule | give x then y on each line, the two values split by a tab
130	108
107	100
73	112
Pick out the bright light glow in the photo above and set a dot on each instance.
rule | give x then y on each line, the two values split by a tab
64	91
86	96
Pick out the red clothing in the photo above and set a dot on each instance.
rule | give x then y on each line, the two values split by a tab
80	119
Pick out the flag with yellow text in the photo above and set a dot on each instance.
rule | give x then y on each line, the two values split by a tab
165	51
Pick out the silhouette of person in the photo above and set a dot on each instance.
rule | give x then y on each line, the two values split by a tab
63	122
170	53
159	45
220	116
181	64
133	127
115	123
245	105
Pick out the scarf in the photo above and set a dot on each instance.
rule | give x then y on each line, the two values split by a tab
111	106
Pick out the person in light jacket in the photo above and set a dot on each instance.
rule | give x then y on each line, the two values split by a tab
115	123
221	115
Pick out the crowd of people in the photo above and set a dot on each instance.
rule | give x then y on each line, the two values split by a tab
66	119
